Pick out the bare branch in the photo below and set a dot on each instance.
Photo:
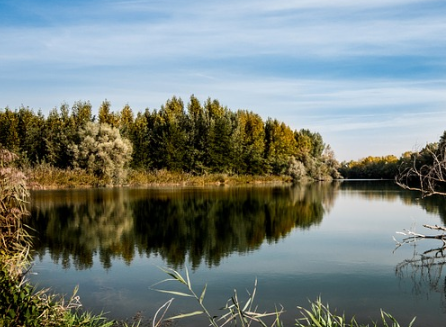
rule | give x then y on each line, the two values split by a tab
436	227
429	179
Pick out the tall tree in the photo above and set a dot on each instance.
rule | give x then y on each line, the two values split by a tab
280	145
126	121
174	138
30	129
81	114
9	134
197	131
106	116
251	134
141	158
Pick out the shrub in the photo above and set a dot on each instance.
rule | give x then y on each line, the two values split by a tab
102	152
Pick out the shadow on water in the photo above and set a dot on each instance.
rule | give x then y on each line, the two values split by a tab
199	224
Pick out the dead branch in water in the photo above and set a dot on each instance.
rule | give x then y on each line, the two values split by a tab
412	236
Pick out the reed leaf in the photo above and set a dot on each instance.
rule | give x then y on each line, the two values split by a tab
203	294
174	293
185	315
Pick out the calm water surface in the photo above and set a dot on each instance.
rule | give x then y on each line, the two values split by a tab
329	240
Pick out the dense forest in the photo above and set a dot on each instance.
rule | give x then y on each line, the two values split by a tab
194	138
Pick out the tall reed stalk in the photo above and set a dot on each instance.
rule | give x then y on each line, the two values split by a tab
21	305
14	239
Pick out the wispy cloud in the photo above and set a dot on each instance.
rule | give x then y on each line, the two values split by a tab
220	31
339	67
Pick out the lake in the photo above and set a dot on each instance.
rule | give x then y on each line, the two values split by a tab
333	240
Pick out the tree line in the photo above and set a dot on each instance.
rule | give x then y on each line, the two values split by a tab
197	138
381	167
425	169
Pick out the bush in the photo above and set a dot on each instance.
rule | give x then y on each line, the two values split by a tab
102	152
296	170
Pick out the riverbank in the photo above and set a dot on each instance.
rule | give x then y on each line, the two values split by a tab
46	177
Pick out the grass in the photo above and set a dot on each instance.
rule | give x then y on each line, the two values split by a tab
44	176
235	312
319	315
246	314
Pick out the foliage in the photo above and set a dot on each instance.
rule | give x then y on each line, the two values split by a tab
239	314
102	152
319	315
194	138
21	304
47	176
280	146
235	312
296	170
371	168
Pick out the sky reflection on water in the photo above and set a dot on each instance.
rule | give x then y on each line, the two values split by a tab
342	251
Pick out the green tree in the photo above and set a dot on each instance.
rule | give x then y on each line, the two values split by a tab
172	126
106	116
139	137
81	114
219	132
61	131
126	121
9	134
197	130
249	153
31	128
303	145
317	144
280	146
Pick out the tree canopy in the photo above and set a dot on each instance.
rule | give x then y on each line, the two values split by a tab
195	137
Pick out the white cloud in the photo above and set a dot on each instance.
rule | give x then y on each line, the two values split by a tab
142	52
219	30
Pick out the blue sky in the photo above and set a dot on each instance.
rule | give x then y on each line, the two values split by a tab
369	76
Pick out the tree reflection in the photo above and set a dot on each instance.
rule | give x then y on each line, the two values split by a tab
424	269
79	225
191	224
375	190
426	272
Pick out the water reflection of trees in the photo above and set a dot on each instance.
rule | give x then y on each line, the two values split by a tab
191	224
76	225
388	190
426	272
